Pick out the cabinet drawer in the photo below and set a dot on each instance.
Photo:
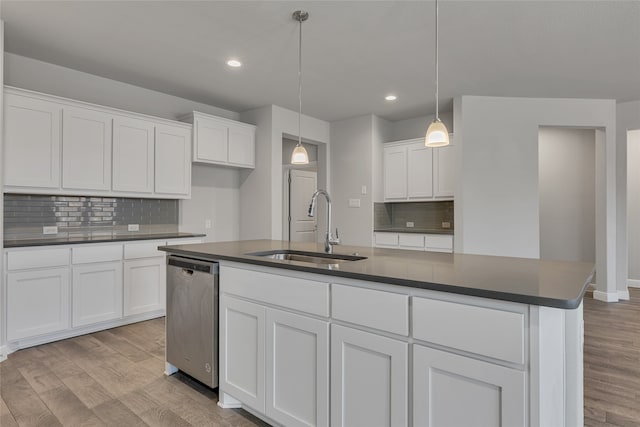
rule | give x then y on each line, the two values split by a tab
411	240
87	254
385	311
143	250
304	295
386	239
37	258
440	243
186	241
490	332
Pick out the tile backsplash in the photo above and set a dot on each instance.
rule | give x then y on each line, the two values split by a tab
25	215
424	215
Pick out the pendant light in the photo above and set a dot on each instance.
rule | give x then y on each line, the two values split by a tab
299	155
437	133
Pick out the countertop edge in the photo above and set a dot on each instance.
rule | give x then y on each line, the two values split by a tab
12	244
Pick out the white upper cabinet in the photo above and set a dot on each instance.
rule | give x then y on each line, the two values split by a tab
133	149
86	149
413	172
31	142
173	161
222	141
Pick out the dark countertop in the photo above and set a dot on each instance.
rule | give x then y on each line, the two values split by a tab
530	281
413	230
123	237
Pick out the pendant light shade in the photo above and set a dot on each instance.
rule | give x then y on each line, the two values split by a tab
437	133
299	155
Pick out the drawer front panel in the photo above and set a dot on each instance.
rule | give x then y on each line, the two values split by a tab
87	254
304	295
489	332
386	239
411	240
435	241
143	250
385	311
38	258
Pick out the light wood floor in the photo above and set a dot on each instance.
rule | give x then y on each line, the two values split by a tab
115	378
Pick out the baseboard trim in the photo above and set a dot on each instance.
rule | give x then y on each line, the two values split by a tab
623	295
605	296
633	283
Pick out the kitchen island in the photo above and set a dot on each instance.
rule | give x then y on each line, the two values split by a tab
398	338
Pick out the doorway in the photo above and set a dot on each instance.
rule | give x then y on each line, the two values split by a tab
633	206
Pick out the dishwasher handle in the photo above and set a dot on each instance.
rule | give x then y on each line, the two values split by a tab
192	265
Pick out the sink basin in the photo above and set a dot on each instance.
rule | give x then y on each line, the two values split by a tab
310	257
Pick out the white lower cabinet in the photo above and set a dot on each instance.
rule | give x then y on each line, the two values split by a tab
242	351
97	293
39	302
297	367
369	380
450	390
144	285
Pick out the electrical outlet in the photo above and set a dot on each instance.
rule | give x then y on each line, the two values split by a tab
354	203
446	224
410	224
133	227
207	224
50	230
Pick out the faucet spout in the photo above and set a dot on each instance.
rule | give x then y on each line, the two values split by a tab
330	241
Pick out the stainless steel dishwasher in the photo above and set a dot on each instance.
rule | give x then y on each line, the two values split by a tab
192	317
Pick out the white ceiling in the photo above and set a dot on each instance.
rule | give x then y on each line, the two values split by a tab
355	52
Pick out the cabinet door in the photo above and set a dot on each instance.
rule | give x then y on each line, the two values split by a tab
242	351
242	146
144	285
86	149
39	302
395	173
368	379
211	140
173	161
297	369
452	390
31	142
133	142
97	293
444	171
420	171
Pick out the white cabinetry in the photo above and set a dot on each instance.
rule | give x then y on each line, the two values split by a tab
31	142
453	390
173	161
413	172
97	292
133	149
144	285
368	379
414	241
222	141
86	149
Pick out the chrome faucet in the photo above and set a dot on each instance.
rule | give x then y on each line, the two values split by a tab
329	240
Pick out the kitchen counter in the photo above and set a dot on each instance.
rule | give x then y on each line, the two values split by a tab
122	237
413	230
529	281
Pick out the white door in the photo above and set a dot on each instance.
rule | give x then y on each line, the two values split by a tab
302	185
242	146
173	161
456	391
31	142
39	302
97	293
144	285
211	141
368	379
444	171
242	351
86	149
297	369
133	158
395	173
420	171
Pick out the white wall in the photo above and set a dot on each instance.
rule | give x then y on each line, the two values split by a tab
497	200
417	127
211	184
633	205
567	169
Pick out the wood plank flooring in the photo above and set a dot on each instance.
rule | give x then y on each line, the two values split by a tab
115	378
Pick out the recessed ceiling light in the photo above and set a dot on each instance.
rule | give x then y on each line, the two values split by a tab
234	63
390	97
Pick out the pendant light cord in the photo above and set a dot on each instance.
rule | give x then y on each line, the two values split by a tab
300	84
437	116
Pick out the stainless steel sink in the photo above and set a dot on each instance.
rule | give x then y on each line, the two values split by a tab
309	257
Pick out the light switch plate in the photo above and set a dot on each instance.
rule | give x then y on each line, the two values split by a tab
50	230
410	224
133	227
207	224
354	203
364	190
